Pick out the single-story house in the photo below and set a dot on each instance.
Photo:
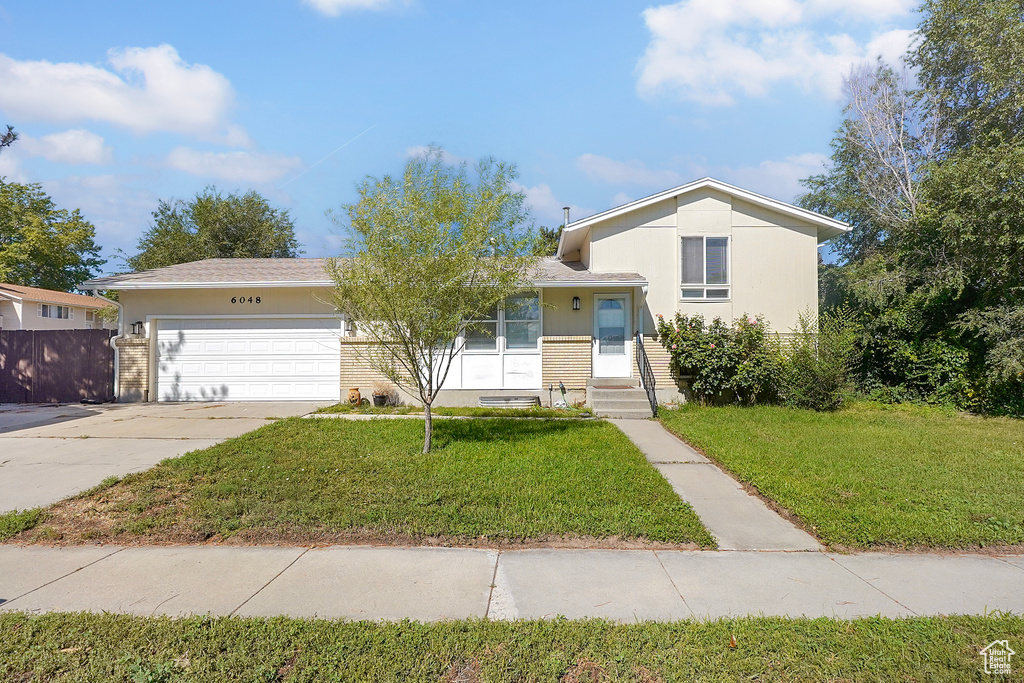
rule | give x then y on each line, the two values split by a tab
32	308
263	329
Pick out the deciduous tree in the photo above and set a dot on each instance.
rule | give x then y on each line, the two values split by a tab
211	225
429	252
42	245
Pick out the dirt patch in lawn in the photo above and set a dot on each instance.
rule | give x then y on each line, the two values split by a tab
99	530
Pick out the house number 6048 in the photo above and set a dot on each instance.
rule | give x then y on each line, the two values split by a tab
245	300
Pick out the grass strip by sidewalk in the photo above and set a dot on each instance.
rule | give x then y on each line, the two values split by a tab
104	647
488	481
468	411
874	476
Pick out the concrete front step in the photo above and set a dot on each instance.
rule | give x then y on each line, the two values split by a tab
623	414
622	404
625	393
612	382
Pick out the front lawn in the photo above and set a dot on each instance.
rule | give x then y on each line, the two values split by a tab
110	647
870	476
487	482
468	411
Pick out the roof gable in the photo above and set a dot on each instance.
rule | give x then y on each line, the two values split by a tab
574	233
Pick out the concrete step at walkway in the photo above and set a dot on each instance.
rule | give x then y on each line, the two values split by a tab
431	584
738	520
628	403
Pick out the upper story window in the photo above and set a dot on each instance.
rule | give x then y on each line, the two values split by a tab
52	311
514	326
705	268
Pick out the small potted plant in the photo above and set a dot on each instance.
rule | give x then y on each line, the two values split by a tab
382	393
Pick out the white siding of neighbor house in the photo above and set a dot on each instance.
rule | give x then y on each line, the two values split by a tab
11	314
24	315
773	259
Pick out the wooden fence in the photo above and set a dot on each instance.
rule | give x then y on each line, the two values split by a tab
63	366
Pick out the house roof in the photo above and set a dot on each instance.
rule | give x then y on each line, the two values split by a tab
310	272
222	272
572	235
48	296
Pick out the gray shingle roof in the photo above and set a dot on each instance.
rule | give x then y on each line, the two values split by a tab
220	272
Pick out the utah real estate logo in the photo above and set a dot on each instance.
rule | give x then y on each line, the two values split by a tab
997	657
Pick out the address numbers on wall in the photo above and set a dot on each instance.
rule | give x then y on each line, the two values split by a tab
245	300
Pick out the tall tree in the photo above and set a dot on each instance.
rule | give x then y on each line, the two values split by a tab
970	58
211	225
880	155
42	245
7	139
429	252
545	240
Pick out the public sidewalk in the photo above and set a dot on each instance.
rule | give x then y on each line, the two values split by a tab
428	584
737	520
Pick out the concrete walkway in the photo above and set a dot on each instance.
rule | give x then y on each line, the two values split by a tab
738	520
429	584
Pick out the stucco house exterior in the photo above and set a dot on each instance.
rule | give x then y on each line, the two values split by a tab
32	308
265	329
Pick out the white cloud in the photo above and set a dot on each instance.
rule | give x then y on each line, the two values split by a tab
446	156
249	167
710	51
120	206
625	172
776	179
145	90
70	147
333	8
546	208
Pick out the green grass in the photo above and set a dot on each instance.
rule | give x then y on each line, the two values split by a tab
108	647
302	480
345	408
870	476
12	523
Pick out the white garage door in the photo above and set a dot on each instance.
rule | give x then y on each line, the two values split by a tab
273	359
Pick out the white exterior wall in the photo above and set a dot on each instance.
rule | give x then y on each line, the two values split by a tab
24	315
773	259
10	314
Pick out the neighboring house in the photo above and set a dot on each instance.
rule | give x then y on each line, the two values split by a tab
31	308
263	329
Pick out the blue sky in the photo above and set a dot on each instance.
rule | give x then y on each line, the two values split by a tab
120	104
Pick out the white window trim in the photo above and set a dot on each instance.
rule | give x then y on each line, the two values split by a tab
704	285
69	310
501	345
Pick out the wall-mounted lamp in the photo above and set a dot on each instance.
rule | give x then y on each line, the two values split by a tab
575	303
350	326
137	327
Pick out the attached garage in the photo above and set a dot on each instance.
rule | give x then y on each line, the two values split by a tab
247	359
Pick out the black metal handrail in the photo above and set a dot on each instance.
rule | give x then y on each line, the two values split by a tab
646	373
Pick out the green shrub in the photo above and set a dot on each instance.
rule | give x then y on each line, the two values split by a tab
741	362
818	360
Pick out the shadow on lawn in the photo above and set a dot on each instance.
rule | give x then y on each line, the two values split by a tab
506	430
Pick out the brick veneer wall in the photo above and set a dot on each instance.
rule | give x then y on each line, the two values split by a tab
355	368
133	368
659	358
566	360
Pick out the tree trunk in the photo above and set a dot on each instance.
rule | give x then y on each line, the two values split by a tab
428	427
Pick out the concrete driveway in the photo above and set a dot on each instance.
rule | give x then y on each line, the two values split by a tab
48	453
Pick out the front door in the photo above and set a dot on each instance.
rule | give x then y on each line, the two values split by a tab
611	335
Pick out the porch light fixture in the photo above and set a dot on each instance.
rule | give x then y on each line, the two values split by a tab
137	327
575	303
